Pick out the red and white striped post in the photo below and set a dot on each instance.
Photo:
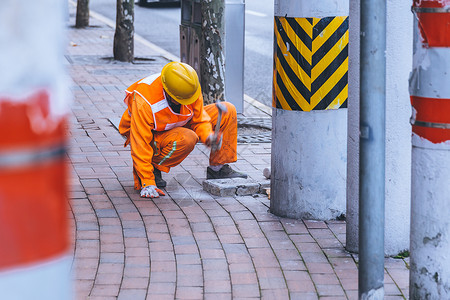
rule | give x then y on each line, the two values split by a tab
34	236
430	99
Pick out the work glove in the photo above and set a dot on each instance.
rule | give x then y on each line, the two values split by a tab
214	141
151	191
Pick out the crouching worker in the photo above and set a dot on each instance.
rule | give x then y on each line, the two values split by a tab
164	120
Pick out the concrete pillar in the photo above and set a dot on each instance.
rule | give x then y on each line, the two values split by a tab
34	236
310	109
398	137
430	201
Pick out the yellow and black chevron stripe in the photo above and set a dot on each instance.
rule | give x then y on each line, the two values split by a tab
311	63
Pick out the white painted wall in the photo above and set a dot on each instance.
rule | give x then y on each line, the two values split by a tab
398	129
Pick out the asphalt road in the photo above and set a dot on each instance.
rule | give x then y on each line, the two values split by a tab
160	25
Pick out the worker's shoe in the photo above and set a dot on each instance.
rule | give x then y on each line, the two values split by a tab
161	183
225	172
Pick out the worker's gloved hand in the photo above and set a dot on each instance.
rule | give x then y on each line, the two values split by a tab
151	191
214	141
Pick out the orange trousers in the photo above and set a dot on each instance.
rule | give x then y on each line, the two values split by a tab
166	155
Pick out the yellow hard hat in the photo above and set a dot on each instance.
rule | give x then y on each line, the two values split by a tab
180	81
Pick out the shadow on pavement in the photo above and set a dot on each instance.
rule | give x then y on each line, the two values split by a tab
146	3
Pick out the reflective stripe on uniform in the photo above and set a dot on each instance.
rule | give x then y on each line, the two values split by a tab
174	147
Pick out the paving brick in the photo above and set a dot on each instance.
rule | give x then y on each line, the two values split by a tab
330	290
135	283
300	276
336	252
186	280
108	279
139	261
323	268
138	272
217	296
241	215
237	258
268	272
256	242
188	259
231	239
212	254
287	253
242	268
209	244
244	278
303	296
105	290
312	224
186	249
83	287
272	283
245	290
305	286
346	274
132	294
317	257
190	292
215	264
323	279
217	286
274	294
190	270
292	264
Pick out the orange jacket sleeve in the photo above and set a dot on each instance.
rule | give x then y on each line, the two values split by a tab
201	122
137	124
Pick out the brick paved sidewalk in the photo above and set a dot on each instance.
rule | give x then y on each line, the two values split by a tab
188	244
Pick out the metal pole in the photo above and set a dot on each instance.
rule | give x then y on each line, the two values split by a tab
372	149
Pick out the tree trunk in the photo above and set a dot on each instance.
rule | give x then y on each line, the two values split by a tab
212	59
124	35
82	18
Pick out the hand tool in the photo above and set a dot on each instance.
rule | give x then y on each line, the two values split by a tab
215	145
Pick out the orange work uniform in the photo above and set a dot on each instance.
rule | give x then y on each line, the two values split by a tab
161	138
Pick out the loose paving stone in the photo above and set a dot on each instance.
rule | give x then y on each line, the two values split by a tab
232	187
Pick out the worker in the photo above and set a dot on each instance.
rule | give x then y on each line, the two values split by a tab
164	120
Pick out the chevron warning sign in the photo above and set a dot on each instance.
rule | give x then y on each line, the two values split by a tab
311	63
